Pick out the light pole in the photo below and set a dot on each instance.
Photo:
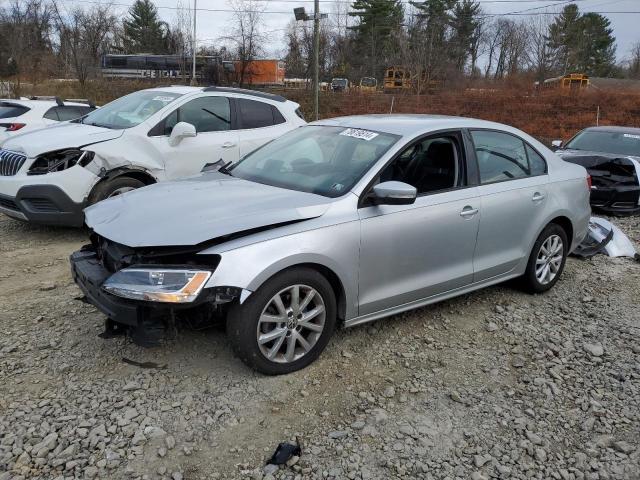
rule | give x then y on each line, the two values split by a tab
301	15
193	43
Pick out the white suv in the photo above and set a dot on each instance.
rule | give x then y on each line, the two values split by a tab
49	176
26	114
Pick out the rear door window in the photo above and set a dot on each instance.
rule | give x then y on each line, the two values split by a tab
254	114
11	110
502	156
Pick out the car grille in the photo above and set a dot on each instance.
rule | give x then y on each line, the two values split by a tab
10	162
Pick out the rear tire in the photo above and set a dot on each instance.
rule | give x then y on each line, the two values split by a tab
547	260
113	187
281	336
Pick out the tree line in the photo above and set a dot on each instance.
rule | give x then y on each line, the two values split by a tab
443	40
452	40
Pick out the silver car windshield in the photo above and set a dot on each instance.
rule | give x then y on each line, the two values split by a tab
130	110
324	160
616	142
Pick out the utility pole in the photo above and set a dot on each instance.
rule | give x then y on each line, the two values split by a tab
316	58
194	43
301	16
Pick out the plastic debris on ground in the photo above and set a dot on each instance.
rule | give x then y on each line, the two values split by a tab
604	237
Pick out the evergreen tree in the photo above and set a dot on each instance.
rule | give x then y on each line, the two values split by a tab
377	31
583	43
144	32
563	38
465	21
596	53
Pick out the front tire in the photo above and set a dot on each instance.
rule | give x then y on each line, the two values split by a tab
113	187
547	259
285	324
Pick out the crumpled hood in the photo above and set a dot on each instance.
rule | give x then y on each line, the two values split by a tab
56	137
197	209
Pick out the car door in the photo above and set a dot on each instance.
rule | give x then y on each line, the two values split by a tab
513	190
411	252
214	140
257	122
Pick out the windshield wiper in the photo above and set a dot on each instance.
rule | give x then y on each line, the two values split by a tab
225	170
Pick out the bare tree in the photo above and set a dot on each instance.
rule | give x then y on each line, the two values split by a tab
26	39
181	35
84	36
246	34
540	53
634	61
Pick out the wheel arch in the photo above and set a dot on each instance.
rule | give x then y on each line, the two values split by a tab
332	277
335	282
566	224
138	173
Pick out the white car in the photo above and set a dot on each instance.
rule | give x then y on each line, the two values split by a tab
49	176
23	115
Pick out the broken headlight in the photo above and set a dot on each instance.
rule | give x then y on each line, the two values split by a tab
60	160
157	285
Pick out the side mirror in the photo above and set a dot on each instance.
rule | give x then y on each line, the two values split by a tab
394	193
556	143
181	130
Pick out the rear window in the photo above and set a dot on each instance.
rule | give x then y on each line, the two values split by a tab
10	110
616	142
67	112
255	114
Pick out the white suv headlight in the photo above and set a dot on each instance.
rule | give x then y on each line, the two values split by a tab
157	285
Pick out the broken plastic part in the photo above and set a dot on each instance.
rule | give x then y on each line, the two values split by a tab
284	452
606	238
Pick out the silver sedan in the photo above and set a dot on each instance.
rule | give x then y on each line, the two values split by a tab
340	222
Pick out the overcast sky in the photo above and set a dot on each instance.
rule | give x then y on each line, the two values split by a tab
214	24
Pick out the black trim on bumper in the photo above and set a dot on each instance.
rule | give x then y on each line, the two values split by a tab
89	275
44	204
621	200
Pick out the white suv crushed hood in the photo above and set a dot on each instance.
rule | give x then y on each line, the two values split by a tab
57	137
194	210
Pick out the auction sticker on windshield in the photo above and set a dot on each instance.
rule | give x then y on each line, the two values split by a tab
162	98
361	134
629	135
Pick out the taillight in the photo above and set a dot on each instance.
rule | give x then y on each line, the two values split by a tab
12	127
589	182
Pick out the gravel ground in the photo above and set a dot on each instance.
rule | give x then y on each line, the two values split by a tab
495	384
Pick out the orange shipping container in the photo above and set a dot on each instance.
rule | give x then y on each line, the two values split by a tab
262	72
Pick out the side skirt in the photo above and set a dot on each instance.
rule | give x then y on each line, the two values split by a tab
428	301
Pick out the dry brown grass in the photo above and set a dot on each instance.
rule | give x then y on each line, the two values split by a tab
547	116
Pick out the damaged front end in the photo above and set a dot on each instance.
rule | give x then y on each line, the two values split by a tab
147	292
615	181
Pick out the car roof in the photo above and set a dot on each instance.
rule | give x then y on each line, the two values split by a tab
409	124
183	90
40	103
632	130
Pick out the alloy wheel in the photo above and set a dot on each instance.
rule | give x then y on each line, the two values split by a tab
549	259
291	323
120	191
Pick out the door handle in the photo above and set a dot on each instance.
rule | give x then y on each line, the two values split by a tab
537	197
228	145
468	212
